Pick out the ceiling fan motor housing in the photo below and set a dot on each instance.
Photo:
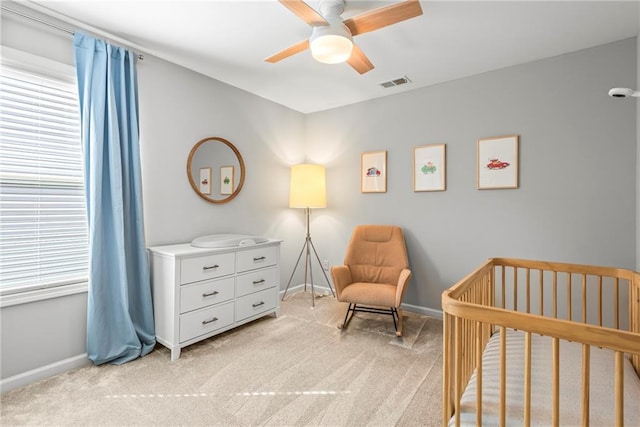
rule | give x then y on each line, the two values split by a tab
331	8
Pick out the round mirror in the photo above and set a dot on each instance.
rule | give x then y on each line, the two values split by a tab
215	169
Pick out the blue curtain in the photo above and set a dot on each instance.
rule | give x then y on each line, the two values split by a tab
119	312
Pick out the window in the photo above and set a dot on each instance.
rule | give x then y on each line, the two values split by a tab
43	226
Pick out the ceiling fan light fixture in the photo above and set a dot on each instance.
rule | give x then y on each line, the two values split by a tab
331	44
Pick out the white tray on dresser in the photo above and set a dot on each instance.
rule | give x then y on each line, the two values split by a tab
201	292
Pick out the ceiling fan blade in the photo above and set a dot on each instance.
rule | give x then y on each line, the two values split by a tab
304	12
383	16
290	51
359	61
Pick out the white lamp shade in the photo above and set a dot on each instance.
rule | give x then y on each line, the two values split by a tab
308	187
331	44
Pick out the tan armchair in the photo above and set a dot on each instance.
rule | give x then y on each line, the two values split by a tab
376	272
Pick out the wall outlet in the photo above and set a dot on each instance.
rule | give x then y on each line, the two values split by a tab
325	265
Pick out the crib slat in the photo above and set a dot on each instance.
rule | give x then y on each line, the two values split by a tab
619	388
479	373
555	294
446	369
584	298
600	300
515	289
633	307
555	367
503	375
528	290
527	379
541	292
586	378
569	296
503	287
458	369
617	303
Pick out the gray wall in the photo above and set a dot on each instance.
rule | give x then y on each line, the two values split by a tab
576	201
572	204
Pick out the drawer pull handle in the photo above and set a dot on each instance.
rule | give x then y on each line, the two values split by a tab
257	282
205	268
258	304
260	258
206	322
210	294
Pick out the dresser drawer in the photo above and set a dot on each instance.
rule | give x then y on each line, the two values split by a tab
207	320
202	294
256	258
206	267
256	281
256	303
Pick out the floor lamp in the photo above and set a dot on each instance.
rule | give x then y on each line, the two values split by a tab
308	191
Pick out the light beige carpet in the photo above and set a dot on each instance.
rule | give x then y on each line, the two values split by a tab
295	370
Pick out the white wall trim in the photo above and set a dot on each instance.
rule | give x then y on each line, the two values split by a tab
319	290
43	372
426	311
30	296
430	312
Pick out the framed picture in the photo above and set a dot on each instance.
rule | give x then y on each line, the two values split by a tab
205	180
429	168
373	172
226	180
497	162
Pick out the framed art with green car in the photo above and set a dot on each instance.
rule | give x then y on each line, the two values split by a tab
429	167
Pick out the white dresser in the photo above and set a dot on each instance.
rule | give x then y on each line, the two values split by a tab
201	292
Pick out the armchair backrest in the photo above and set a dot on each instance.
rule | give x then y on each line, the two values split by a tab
376	254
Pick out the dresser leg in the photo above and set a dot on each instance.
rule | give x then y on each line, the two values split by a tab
175	353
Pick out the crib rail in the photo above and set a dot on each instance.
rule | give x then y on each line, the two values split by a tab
601	308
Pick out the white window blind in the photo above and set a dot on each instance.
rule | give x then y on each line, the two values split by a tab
43	227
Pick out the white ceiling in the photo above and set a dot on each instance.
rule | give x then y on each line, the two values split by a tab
229	39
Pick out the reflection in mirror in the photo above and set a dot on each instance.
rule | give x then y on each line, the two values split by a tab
216	170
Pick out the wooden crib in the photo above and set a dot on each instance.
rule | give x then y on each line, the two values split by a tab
594	308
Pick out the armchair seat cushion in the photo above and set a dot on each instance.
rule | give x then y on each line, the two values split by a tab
378	294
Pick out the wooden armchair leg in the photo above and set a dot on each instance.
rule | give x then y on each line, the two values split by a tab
399	331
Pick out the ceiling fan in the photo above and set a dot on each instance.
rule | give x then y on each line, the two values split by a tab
331	39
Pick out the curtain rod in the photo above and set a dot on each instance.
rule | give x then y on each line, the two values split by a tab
48	24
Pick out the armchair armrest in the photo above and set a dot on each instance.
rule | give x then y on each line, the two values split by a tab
403	280
341	278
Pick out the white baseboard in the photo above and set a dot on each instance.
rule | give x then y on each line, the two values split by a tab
43	372
436	314
319	289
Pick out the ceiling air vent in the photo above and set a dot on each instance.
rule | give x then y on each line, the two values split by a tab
396	82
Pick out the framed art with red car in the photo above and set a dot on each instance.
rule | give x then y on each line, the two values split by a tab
497	162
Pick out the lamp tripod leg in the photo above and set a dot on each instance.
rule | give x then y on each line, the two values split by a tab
321	269
294	270
308	264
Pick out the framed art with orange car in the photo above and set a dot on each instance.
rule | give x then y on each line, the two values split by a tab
497	162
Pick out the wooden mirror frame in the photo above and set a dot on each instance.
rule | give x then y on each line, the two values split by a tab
194	184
